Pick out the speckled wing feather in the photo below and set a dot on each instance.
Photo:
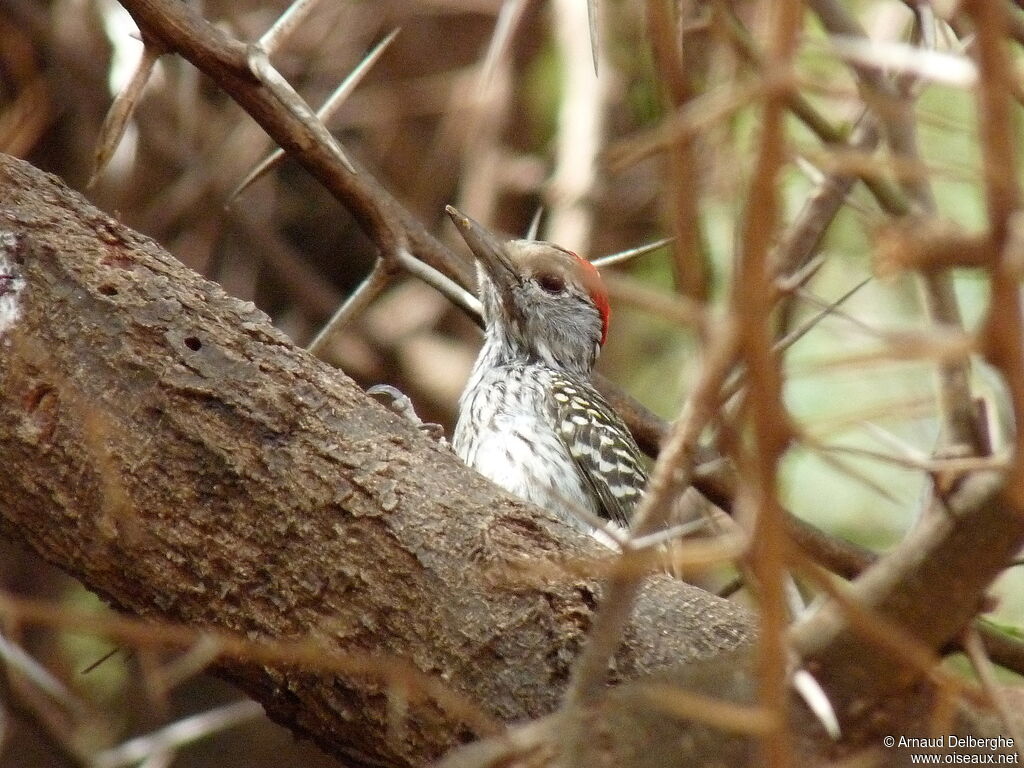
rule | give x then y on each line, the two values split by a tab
601	445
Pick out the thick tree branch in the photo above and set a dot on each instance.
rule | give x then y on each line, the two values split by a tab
164	444
183	30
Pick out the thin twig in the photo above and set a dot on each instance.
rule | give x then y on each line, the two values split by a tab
952	466
825	309
690	260
804	236
308	654
844	468
832	307
753	303
179	734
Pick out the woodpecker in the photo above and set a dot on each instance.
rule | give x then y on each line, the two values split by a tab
530	419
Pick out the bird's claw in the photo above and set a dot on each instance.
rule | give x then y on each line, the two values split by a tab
399	403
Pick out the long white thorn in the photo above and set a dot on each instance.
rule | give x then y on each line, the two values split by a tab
121	111
632	253
508	19
378	279
333	103
817	701
286	24
178	734
441	283
266	73
534	228
594	42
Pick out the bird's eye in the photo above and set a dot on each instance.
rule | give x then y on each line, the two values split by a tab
551	283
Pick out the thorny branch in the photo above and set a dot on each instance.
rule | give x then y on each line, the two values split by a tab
835	641
181	29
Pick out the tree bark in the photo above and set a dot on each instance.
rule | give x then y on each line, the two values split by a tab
164	444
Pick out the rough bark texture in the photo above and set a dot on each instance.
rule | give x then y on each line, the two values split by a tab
164	444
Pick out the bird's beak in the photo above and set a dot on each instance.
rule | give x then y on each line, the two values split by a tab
488	249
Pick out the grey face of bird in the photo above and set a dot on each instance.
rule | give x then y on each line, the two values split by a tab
540	300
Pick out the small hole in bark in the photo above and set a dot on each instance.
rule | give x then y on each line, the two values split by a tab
108	290
193	343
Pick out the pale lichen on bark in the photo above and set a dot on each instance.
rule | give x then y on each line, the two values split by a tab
11	281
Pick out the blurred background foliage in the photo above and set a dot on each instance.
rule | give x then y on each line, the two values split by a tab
434	130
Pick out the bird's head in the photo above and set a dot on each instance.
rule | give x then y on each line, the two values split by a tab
540	301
